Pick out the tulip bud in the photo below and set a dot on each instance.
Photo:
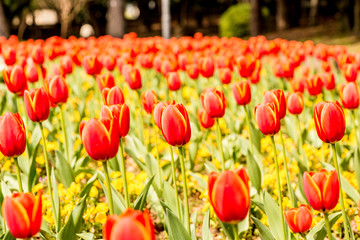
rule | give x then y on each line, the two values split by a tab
214	102
31	72
350	72
118	112
295	103
277	96
329	121
37	55
229	191
349	95
298	84
9	55
57	89
113	96
321	189
173	81
242	92
149	99
131	224
37	104
207	67
22	213
192	71
13	135
314	85
108	62
267	118
132	77
225	75
328	80
66	64
246	65
91	65
158	109
205	120
15	80
299	219
105	80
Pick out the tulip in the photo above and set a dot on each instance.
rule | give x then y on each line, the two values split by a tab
299	219
207	67
214	102
105	80
242	92
228	191
205	120
277	96
37	55
173	81
158	110
193	70
108	62
328	80
349	95
31	72
15	80
267	118
22	213
149	99
350	72
113	96
298	84
37	104
246	65
91	65
9	55
131	224
225	75
295	103
57	89
132	76
314	85
66	64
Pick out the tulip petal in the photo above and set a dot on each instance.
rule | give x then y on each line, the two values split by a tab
331	191
303	218
312	192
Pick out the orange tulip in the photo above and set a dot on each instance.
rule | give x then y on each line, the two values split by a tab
105	80
267	118
205	120
242	92
225	75
173	81
214	102
57	89
299	219
113	96
350	72
277	96
15	79
118	112
349	95
37	104
149	99
314	85
132	76
295	103
207	67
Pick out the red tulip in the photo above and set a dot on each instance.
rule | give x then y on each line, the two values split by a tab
91	65
214	102
350	72
314	85
108	62
242	92
57	89
131	224
132	76
349	95
31	72
98	135
299	219
193	71
328	80
277	96
37	55
267	118
205	120
15	80
207	67
118	112
298	84
105	80
329	121
113	96
37	104
66	64
13	135
158	109
173	81
246	65
149	99
295	103
22	213
229	195
321	189
225	75
9	55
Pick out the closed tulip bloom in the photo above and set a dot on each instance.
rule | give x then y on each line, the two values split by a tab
31	72
214	102
91	65
328	80
295	103
105	80
108	62
37	104
113	96
132	77
321	189
350	72
37	55
349	95
205	120
9	55
13	135
118	112
149	99
277	96
100	137
242	92
298	84
66	64
15	80
267	118
207	67
131	224
22	213
299	219
57	89
192	70
158	109
175	125
229	195
225	75
329	121
173	81
314	85
246	65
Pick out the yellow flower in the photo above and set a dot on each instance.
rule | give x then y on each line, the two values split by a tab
100	218
94	192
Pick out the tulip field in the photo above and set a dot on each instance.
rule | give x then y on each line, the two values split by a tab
183	139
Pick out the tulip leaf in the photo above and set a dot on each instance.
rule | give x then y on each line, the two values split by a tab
65	172
265	232
75	222
206	234
86	236
32	175
119	202
254	171
141	199
357	164
244	224
193	225
175	228
318	232
34	139
169	195
56	197
202	183
8	236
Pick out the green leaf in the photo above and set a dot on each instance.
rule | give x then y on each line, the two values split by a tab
141	199
32	175
254	171
86	236
244	224
357	164
206	234
56	196
169	195
193	225
272	210
65	171
75	222
119	202
318	232
265	232
8	236
175	228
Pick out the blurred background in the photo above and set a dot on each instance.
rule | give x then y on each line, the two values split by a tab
291	19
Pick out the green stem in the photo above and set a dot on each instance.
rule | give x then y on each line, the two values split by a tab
302	157
219	142
47	167
175	182
355	128
235	232
288	181
108	186
344	216
18	175
141	121
123	174
279	187
158	158
183	171
327	225
65	134
249	126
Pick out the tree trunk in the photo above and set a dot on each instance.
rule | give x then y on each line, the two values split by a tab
4	27
165	19
255	17
357	16
115	18
313	11
281	15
